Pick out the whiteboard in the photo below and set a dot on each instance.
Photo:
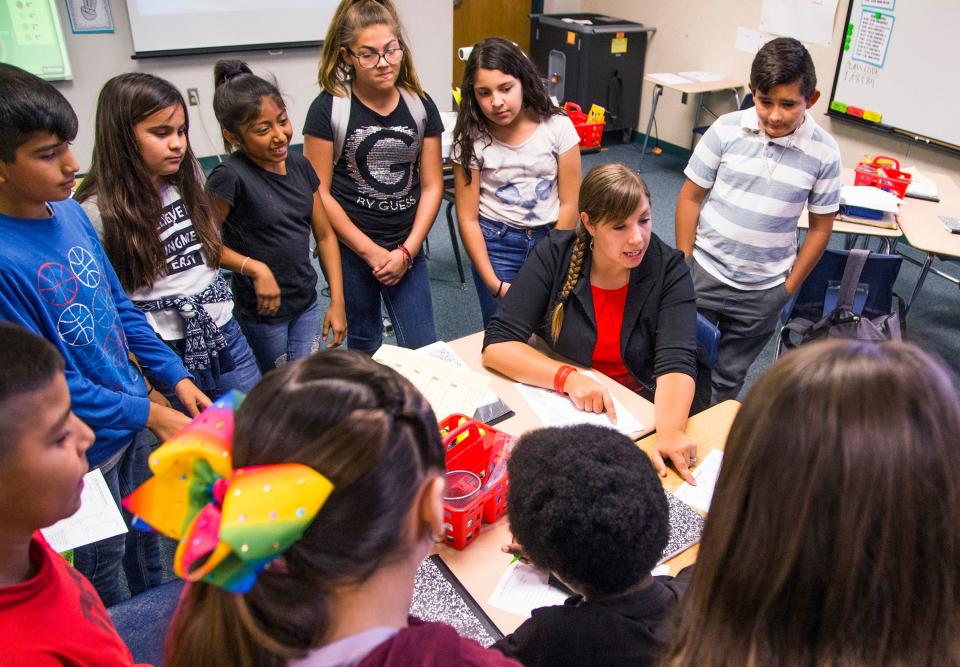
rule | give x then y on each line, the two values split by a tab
897	60
169	27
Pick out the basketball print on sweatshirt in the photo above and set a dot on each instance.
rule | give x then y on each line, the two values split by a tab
76	325
379	160
84	266
57	284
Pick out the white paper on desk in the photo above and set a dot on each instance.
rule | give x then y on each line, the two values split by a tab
97	519
442	351
669	79
867	196
523	588
921	186
706	474
447	388
554	409
705	77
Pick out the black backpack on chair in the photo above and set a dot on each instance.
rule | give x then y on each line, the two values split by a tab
845	317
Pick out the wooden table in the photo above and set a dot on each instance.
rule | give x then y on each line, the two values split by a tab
922	229
480	566
469	348
699	88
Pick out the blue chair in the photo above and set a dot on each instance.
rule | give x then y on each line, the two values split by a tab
708	341
817	297
708	346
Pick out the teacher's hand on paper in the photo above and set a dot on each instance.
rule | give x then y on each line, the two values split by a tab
589	395
680	450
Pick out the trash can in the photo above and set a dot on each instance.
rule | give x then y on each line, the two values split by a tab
592	59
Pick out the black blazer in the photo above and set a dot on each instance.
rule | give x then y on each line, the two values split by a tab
659	333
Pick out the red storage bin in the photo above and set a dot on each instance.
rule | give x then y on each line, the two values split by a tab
477	448
884	173
590	134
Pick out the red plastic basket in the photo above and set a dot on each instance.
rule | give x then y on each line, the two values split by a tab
884	173
591	134
475	447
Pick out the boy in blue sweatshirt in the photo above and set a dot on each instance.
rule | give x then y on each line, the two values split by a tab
55	280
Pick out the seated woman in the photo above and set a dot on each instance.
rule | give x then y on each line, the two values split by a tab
613	296
834	531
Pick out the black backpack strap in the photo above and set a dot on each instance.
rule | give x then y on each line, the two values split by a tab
851	278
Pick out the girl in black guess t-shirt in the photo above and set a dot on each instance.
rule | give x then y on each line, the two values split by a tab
268	196
379	169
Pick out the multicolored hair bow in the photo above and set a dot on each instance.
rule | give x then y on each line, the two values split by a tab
238	520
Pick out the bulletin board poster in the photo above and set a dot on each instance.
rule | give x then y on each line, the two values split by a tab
31	38
895	71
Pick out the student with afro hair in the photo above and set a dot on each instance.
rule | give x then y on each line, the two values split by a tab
586	504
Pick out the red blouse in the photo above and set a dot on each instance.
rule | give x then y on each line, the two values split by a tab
608	306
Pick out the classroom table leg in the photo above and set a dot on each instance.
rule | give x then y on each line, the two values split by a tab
924	270
657	91
456	245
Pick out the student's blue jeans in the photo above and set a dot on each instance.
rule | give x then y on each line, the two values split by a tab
408	303
275	344
244	376
138	552
507	248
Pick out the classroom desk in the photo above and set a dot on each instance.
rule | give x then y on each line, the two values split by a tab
480	566
918	224
889	237
699	88
923	230
524	419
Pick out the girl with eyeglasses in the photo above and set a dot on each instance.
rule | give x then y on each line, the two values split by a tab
373	136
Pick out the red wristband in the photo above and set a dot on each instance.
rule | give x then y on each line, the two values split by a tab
406	254
560	379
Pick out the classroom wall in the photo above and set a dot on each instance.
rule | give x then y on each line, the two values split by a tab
97	57
701	35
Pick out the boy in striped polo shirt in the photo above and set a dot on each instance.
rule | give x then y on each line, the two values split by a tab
753	172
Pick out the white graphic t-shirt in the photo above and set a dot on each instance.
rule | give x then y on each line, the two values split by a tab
518	184
187	271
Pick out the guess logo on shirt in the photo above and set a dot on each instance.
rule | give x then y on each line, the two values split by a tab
381	160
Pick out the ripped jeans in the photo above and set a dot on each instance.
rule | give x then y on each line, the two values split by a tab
275	344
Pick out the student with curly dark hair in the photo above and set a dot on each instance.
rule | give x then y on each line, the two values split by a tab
586	504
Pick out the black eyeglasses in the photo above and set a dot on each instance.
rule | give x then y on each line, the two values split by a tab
370	59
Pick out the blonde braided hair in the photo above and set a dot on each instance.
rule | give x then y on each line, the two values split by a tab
609	193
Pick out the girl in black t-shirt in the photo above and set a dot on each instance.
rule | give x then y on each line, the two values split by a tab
270	202
373	137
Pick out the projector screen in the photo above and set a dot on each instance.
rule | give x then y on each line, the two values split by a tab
31	39
175	27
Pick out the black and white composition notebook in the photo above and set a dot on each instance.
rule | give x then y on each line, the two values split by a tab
686	528
439	596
